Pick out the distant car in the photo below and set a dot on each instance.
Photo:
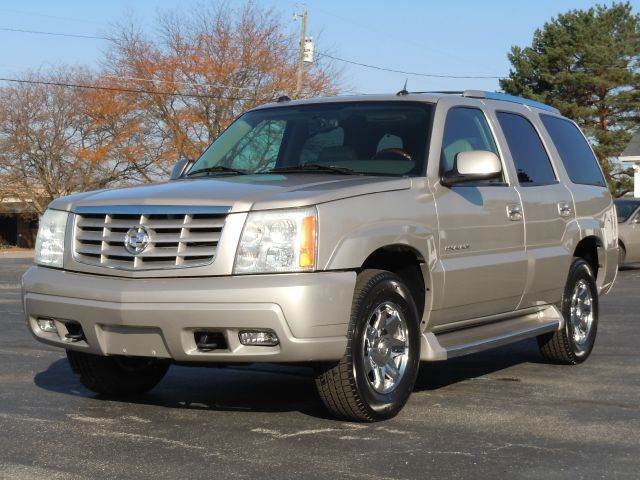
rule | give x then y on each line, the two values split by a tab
629	228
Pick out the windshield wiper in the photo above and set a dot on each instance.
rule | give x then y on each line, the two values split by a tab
314	167
218	169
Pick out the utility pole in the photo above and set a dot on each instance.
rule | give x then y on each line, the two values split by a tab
303	37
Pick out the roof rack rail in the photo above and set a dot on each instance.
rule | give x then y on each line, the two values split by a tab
443	92
505	97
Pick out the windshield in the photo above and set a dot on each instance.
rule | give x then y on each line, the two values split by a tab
625	209
373	138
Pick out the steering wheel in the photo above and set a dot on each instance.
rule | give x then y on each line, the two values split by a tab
393	154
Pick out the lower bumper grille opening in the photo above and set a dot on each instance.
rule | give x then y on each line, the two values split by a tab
208	341
74	332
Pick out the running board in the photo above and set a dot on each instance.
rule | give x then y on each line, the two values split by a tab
490	334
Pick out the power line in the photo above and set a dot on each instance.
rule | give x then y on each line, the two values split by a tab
404	72
120	89
385	33
352	62
40	32
178	82
57	17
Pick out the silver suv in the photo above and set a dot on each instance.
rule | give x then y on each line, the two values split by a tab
361	235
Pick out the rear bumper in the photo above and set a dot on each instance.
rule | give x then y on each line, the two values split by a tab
158	317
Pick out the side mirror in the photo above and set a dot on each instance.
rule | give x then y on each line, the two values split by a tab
473	166
636	220
180	168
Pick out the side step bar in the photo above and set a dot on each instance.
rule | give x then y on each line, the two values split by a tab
450	344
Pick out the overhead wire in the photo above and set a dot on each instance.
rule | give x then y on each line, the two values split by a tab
320	54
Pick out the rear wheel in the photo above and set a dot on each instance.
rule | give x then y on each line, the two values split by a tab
377	373
116	375
573	344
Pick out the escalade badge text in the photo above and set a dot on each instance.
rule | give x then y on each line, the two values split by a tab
136	240
457	248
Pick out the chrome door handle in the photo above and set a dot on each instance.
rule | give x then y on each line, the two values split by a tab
565	209
514	212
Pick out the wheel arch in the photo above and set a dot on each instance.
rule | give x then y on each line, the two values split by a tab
406	262
591	249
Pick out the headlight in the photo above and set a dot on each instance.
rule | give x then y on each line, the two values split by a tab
278	241
50	240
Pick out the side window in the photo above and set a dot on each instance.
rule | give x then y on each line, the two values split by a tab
312	147
465	129
531	160
259	149
578	159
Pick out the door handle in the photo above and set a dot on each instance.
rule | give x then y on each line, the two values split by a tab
565	209
514	212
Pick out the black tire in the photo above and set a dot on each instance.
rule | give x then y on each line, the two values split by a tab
622	255
343	387
560	347
117	376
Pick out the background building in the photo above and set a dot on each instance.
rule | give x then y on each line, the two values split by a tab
631	155
18	225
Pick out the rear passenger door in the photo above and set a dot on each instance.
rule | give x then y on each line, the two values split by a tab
548	209
481	244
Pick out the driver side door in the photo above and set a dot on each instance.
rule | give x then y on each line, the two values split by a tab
481	229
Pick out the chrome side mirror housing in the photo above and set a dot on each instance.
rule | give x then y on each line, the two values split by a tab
473	166
180	168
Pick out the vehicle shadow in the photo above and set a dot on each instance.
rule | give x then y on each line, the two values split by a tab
436	375
276	388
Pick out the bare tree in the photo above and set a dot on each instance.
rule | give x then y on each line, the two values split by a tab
56	140
227	59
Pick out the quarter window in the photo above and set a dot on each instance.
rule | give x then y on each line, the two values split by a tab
529	156
465	129
578	159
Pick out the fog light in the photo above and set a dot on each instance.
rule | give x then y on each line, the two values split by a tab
47	325
265	338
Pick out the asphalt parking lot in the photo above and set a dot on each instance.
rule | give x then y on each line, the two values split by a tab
499	414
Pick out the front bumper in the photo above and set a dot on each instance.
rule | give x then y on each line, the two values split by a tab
157	317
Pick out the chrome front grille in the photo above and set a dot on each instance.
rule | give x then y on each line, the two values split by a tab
177	237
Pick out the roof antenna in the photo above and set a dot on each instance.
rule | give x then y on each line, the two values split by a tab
404	91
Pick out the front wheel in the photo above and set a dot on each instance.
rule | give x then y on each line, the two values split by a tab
375	377
573	344
116	375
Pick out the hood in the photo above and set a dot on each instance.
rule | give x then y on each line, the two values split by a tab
241	193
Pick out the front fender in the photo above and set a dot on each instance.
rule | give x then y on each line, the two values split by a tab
353	248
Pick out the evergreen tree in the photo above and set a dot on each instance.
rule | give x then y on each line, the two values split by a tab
586	63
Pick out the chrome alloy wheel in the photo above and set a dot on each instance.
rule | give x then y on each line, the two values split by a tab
582	313
385	348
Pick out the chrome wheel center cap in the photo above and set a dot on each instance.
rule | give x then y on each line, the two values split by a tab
380	353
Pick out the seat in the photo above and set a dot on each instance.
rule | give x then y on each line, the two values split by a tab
451	150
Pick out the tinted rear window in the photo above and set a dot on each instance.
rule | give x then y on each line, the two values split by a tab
529	156
578	159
